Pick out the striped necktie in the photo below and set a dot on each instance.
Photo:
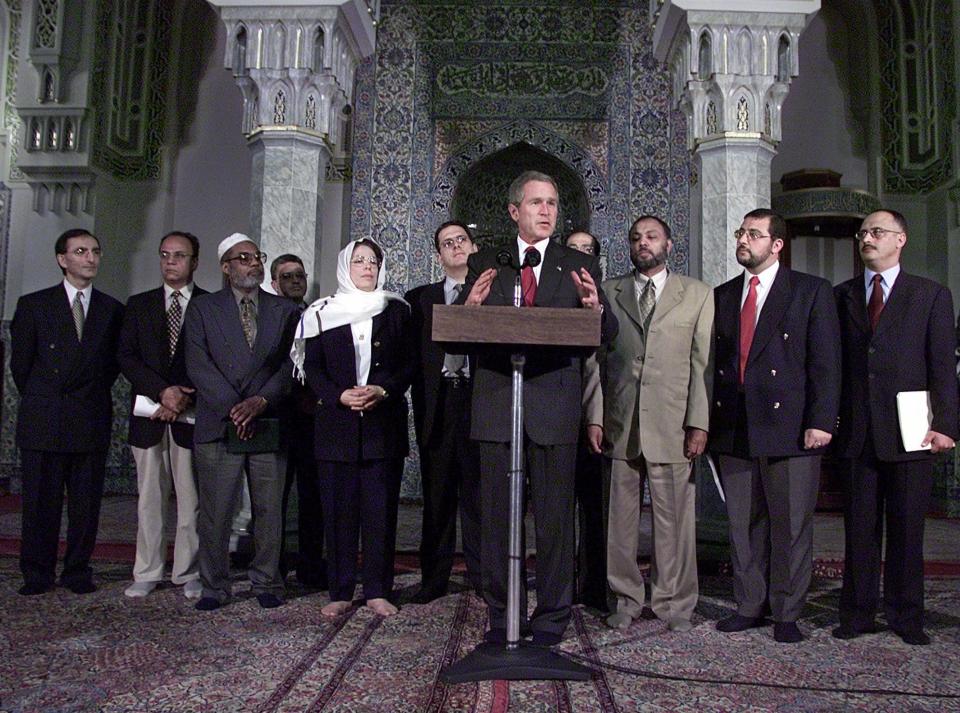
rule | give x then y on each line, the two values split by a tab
174	319
78	315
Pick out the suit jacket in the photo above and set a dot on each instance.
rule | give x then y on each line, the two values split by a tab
552	384
653	391
330	366
144	356
911	350
792	377
224	370
64	384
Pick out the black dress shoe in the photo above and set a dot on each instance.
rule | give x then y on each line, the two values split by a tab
208	604
914	638
739	623
546	638
31	588
787	632
267	600
84	586
846	632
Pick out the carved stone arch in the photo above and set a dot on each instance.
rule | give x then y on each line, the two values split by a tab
317	38
742	110
744	48
240	39
511	134
280	104
784	58
310	112
704	55
277	43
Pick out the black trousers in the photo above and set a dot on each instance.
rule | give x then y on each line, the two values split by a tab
46	475
895	494
550	474
592	542
302	470
360	500
450	476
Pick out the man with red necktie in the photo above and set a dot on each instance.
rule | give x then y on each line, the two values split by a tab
898	336
776	396
552	389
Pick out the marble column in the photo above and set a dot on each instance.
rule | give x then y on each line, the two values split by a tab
294	65
731	71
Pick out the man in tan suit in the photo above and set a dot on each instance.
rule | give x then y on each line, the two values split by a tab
657	379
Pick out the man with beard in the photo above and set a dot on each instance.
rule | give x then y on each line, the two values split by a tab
657	377
776	397
237	350
897	336
441	392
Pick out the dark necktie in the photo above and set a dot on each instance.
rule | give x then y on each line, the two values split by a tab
647	303
748	324
875	307
174	319
528	280
246	320
78	315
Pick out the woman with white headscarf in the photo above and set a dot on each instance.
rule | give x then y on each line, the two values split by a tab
355	350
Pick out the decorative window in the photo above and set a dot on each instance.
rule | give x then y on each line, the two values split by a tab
69	136
743	115
310	113
711	119
704	58
783	60
49	86
280	108
767	120
318	51
36	135
53	136
45	29
240	52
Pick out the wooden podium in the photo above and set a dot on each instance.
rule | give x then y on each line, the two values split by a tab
515	331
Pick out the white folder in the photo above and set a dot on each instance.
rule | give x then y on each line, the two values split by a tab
916	416
146	407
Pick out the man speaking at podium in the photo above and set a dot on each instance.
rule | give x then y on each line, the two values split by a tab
551	275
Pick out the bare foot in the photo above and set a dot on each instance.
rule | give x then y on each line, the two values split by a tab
335	609
382	607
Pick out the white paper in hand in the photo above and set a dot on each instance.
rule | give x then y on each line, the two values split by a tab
145	406
915	414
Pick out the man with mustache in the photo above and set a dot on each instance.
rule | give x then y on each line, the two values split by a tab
897	336
776	392
237	354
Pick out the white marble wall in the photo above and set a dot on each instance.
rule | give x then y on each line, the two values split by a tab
734	179
286	195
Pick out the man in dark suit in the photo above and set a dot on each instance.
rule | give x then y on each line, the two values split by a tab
64	362
289	279
237	349
552	391
897	336
776	395
441	391
161	439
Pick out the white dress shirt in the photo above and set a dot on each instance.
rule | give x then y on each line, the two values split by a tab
659	281
362	332
887	278
763	289
84	296
185	292
541	246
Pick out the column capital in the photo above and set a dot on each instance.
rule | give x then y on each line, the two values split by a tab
731	62
294	62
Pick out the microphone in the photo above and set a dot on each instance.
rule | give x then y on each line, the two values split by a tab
504	259
531	259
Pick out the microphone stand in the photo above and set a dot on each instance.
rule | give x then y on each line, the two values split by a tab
516	660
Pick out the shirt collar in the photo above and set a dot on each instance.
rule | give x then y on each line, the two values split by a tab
72	292
659	280
540	245
253	296
767	276
889	276
185	292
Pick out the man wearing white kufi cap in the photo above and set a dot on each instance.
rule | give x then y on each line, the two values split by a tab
237	346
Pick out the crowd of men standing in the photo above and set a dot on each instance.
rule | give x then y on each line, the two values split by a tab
765	372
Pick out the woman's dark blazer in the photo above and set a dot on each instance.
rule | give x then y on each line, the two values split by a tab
330	365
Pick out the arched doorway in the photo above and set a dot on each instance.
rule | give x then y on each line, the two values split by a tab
480	196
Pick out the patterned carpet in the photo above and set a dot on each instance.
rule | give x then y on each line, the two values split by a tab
105	652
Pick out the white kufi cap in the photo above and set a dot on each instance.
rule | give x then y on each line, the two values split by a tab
230	241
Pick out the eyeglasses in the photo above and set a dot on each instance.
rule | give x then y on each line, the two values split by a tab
360	260
752	235
247	258
80	252
876	232
588	249
450	243
297	275
176	257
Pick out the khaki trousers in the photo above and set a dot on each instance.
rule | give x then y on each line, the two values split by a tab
674	588
160	468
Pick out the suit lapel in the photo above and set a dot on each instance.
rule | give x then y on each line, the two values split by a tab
672	296
157	316
627	299
63	316
229	323
857	306
897	306
551	273
773	309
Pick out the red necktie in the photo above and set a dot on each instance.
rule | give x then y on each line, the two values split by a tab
876	302
748	324
528	281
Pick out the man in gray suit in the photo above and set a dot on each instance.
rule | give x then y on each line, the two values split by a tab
237	349
657	379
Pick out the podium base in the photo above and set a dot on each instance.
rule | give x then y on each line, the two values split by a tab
489	662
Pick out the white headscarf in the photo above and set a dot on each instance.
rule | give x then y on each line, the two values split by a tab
348	305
